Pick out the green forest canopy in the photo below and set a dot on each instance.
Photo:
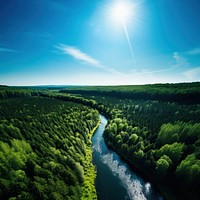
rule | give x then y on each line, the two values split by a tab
154	127
45	149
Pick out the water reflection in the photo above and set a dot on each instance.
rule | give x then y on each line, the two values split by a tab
134	187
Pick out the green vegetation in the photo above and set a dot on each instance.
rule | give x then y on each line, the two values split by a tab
45	143
180	92
16	92
45	149
159	138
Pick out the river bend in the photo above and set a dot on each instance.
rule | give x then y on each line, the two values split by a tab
115	180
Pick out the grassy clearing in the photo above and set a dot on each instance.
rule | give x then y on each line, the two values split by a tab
88	189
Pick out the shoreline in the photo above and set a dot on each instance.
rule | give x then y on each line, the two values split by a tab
88	188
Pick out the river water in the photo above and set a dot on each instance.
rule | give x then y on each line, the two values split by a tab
115	180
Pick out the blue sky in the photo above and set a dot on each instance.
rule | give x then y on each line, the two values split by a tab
78	42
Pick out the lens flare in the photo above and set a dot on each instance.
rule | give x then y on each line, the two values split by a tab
122	11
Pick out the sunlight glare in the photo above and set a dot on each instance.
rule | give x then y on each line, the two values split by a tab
122	11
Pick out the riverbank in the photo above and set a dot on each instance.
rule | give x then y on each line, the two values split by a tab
88	189
148	177
115	179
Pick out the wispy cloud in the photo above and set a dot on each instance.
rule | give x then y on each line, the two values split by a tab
81	56
194	52
192	73
159	71
180	60
177	58
6	50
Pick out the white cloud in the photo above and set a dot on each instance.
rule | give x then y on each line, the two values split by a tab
4	50
192	73
159	71
81	56
136	76
180	60
175	55
195	51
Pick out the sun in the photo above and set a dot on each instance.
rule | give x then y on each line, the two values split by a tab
122	11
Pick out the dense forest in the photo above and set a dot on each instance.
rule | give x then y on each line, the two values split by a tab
161	139
45	138
45	148
158	138
180	92
15	92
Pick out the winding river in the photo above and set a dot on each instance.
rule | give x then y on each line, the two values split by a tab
115	180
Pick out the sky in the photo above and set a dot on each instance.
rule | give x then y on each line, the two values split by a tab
82	42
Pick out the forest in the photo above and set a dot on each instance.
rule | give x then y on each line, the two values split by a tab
158	138
45	148
16	92
180	92
45	138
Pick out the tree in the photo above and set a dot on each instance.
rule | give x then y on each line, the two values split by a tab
162	165
173	151
168	134
133	139
189	170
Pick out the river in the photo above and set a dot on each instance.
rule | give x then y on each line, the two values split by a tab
115	180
